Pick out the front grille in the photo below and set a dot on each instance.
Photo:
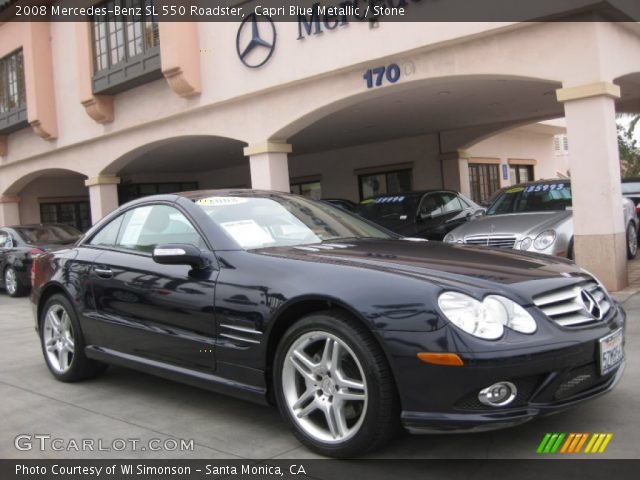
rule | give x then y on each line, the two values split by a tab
525	385
498	241
580	380
567	307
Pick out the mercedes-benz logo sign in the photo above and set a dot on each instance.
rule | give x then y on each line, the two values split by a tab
591	305
256	40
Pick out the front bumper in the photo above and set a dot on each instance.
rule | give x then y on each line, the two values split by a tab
553	370
495	419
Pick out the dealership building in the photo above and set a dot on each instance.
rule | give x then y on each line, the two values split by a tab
96	113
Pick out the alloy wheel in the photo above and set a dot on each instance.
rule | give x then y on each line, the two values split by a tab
632	241
324	387
10	281
58	338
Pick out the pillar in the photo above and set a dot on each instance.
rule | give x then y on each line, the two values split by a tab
599	232
103	196
269	166
9	211
455	171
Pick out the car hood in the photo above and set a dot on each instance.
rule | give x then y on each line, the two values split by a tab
435	261
513	223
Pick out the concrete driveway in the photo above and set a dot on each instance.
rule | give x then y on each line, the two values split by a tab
123	404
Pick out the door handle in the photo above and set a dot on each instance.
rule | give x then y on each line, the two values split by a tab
103	272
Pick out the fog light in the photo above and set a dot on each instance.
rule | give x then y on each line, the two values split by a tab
498	395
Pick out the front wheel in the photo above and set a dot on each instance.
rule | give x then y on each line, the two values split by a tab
334	387
12	283
632	241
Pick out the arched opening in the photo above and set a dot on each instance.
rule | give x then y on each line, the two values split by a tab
629	101
180	164
52	196
397	138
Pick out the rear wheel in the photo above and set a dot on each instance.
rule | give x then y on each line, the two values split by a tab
62	342
334	387
12	283
632	241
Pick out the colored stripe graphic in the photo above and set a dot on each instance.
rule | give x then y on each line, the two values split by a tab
573	443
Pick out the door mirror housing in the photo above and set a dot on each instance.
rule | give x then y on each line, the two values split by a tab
181	254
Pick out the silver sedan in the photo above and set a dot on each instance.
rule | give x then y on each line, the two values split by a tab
535	217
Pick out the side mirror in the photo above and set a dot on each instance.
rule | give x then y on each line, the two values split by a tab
180	254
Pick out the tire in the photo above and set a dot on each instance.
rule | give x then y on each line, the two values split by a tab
12	284
311	392
632	241
570	250
63	347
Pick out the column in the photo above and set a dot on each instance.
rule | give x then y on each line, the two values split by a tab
599	232
269	166
103	196
9	211
455	171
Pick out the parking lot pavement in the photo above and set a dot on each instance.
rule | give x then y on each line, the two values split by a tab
123	404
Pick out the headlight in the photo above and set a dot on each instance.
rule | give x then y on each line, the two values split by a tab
544	240
485	319
448	238
518	318
525	243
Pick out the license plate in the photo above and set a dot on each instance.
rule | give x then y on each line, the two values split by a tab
611	352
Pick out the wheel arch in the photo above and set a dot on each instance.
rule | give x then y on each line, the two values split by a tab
47	292
295	310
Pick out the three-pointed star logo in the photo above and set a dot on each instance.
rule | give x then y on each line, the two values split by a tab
262	41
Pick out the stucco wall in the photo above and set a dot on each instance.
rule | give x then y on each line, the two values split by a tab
59	188
523	145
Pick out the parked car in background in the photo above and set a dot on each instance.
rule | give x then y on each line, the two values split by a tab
343	203
19	244
429	214
351	330
631	190
536	217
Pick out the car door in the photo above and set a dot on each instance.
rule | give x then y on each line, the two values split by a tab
152	311
439	213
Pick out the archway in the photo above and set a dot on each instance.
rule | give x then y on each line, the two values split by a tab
51	196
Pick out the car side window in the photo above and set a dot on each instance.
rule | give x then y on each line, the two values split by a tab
450	203
5	240
431	206
145	227
108	235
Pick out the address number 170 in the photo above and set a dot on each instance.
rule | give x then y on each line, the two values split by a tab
375	77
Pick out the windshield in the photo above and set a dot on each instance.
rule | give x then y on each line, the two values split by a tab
48	234
532	198
258	222
630	187
396	207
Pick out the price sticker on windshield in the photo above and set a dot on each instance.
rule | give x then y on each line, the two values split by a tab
218	201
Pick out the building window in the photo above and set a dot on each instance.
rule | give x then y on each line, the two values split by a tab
397	181
74	214
13	100
521	173
561	144
307	189
131	191
484	179
126	48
